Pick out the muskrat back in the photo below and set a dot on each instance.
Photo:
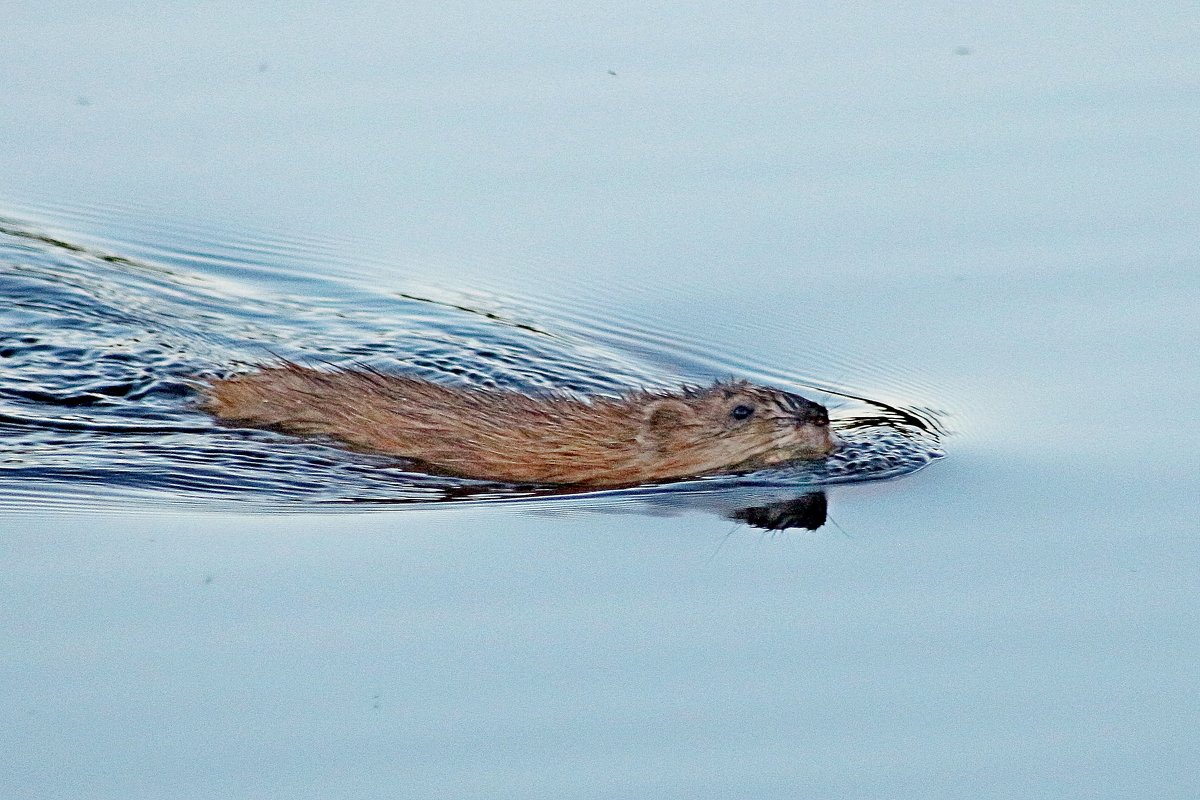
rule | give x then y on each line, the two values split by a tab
509	436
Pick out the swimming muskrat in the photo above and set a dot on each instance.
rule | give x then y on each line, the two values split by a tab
509	436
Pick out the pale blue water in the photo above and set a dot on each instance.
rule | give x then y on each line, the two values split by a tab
983	218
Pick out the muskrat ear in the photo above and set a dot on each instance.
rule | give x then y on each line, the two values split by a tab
664	416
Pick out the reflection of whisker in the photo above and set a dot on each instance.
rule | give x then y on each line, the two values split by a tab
720	544
829	517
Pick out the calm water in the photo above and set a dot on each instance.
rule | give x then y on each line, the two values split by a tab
972	233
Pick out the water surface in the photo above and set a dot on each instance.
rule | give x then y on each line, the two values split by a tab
983	218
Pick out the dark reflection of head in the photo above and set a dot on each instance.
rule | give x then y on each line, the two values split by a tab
806	511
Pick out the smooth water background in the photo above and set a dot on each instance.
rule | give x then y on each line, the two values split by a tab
989	213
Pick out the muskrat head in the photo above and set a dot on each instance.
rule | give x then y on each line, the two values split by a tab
737	425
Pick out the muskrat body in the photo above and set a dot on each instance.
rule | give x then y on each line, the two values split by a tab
502	435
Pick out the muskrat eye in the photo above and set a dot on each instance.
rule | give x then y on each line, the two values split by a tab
741	412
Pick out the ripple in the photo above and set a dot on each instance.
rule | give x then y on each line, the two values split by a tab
101	348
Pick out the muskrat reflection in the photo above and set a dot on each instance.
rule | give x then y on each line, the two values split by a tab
808	511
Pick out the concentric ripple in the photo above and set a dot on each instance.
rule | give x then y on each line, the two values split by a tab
100	352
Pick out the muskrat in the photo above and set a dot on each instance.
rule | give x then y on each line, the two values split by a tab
505	435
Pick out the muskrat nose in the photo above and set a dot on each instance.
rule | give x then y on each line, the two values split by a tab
815	415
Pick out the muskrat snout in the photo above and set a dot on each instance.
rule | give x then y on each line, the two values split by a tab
817	415
805	411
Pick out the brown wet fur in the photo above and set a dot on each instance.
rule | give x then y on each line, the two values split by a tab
509	436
